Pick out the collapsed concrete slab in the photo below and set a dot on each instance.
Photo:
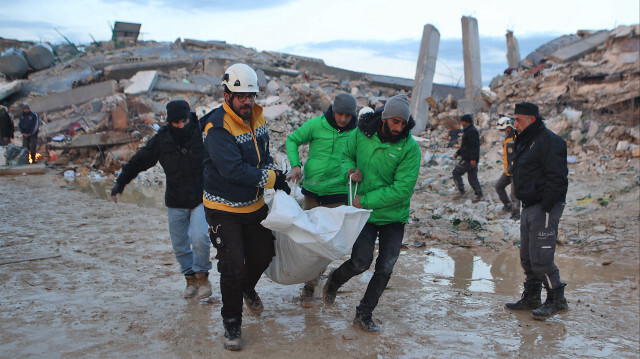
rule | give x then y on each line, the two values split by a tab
34	169
175	86
39	56
125	71
61	100
10	88
142	82
423	82
471	55
580	48
94	140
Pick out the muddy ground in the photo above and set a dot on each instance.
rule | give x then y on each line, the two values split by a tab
109	287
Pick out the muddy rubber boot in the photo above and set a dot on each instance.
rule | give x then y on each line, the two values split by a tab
364	322
308	300
232	334
253	302
330	289
192	287
204	286
530	298
556	303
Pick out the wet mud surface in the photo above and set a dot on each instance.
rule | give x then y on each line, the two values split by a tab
109	287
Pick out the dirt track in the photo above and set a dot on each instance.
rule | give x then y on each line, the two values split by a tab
114	291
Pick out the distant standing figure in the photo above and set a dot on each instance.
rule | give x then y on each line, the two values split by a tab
540	176
469	153
508	133
178	146
6	126
29	126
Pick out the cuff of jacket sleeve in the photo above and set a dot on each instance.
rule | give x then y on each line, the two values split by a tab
363	202
272	179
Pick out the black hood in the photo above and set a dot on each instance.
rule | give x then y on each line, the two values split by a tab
332	121
370	123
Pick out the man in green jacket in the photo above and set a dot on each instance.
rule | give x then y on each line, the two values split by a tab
383	156
326	136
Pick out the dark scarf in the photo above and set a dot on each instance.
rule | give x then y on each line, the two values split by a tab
529	134
332	121
182	135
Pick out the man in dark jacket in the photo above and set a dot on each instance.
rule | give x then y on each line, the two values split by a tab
469	153
178	147
237	168
540	178
29	126
6	126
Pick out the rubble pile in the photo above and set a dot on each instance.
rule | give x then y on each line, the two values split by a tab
99	104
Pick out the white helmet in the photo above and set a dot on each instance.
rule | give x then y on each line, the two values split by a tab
363	111
505	122
240	78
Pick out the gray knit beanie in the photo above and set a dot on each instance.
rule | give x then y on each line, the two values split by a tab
397	106
344	103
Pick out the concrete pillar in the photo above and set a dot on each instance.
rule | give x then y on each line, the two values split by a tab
513	51
423	81
471	55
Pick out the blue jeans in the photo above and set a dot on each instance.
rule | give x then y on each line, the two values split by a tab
190	239
389	243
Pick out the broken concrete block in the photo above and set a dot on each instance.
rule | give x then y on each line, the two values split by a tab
61	100
142	82
580	48
13	64
271	112
39	56
120	117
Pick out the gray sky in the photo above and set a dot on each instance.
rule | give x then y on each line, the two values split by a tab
365	35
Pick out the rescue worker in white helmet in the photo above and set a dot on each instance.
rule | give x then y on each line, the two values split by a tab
508	133
237	169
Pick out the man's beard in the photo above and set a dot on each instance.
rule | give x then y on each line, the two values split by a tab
244	111
389	136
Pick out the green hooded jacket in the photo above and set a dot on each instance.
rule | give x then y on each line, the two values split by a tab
326	147
389	170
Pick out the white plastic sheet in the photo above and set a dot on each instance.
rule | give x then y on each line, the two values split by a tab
307	241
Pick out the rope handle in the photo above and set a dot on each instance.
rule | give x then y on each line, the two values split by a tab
352	194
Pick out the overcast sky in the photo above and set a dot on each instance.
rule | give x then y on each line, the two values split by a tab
373	36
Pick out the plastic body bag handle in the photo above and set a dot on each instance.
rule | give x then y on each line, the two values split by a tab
352	194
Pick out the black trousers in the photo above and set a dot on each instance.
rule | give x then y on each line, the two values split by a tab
390	241
538	235
31	143
472	175
244	250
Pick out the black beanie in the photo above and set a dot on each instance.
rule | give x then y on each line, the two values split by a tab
527	109
178	110
467	118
